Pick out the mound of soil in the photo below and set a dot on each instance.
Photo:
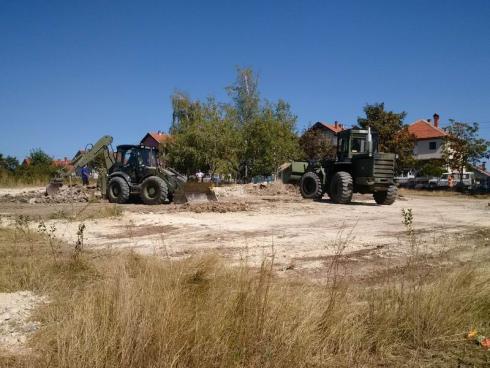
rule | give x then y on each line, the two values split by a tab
66	194
220	207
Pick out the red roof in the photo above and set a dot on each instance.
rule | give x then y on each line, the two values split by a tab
422	129
336	128
159	136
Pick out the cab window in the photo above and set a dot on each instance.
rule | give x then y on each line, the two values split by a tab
358	145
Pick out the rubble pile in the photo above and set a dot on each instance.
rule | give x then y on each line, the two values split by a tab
275	188
66	194
221	207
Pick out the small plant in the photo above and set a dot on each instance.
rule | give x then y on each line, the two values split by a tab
79	243
22	224
49	233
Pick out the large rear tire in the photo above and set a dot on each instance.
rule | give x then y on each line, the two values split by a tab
118	190
310	186
341	187
154	190
386	198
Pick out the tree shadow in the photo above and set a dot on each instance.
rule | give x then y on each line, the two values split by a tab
328	200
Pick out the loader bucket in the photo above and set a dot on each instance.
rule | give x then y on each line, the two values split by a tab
53	188
192	192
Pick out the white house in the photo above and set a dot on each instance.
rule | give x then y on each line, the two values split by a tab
429	138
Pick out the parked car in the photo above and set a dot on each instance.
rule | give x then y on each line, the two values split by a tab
448	180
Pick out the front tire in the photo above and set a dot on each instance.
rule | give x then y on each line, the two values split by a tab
310	186
154	190
118	190
386	198
341	187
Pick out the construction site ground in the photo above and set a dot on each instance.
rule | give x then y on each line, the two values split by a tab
251	222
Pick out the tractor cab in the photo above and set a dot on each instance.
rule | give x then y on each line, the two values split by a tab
128	154
136	161
355	142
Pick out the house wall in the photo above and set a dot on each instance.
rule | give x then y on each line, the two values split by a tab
422	149
330	135
149	142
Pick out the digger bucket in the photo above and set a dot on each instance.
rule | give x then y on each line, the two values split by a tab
192	192
53	187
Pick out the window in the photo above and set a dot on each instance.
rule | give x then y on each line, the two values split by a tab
358	145
432	146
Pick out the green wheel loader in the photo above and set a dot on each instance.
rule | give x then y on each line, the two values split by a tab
357	168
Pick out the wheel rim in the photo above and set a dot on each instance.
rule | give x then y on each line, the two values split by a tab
116	190
151	191
309	186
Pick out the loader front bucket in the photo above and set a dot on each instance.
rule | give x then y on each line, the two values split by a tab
53	187
192	192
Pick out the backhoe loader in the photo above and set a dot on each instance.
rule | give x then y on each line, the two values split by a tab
135	170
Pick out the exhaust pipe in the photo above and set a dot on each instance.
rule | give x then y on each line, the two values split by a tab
370	142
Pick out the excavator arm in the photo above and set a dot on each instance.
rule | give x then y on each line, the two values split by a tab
102	146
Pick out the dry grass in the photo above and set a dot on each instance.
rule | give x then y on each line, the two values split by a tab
124	310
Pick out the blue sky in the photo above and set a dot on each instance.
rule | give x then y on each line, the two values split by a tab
71	71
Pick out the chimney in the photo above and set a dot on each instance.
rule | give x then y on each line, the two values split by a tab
336	124
483	166
436	120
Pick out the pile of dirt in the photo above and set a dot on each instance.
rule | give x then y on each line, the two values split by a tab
220	207
66	194
276	188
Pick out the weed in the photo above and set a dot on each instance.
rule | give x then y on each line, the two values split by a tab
79	243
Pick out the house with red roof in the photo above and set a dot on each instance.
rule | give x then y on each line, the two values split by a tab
429	137
329	130
154	139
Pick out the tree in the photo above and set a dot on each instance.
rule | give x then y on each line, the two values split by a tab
245	95
40	158
393	133
270	139
315	145
267	129
9	163
463	146
203	138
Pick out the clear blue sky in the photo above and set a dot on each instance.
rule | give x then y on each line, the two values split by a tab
71	71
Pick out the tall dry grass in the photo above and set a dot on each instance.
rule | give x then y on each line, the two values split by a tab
125	310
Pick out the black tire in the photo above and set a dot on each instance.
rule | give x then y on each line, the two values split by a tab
386	198
310	186
341	187
118	190
154	190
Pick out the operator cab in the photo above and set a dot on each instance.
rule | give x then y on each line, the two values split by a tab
131	155
354	142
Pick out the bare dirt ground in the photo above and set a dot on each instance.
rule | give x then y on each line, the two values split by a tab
250	223
15	322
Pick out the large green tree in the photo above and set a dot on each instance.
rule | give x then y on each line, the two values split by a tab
393	133
203	138
267	129
464	146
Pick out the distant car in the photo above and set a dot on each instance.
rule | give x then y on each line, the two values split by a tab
445	180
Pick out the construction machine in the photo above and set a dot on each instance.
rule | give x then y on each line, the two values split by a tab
357	168
136	170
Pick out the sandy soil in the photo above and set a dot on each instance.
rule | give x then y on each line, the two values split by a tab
301	234
15	323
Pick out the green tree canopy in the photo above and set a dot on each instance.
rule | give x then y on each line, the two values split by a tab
245	136
464	146
393	133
